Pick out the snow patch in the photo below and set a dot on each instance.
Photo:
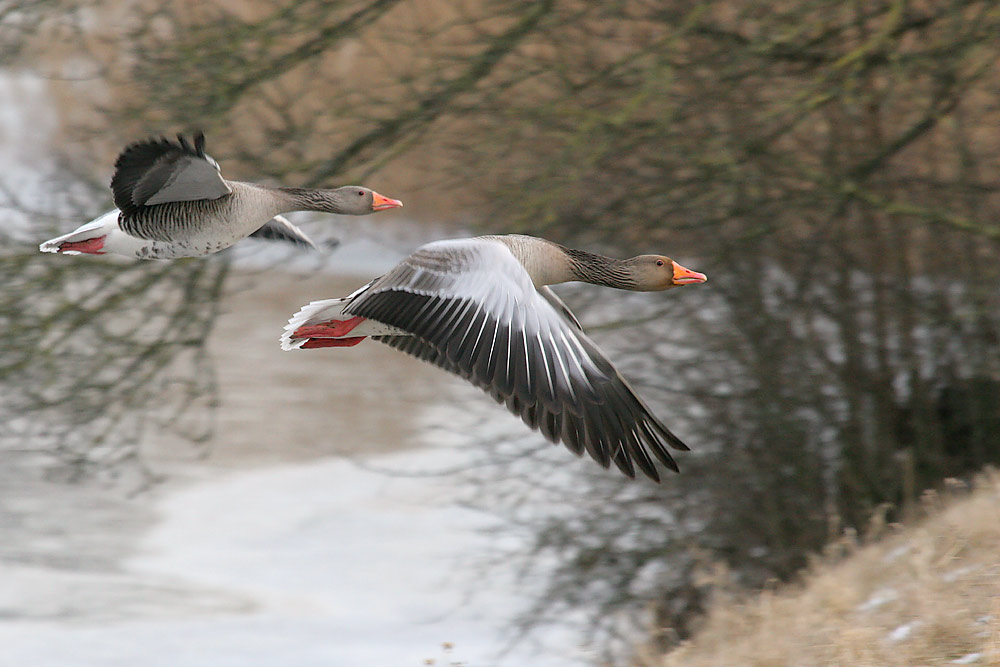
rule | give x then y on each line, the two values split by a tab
903	631
878	598
332	555
897	553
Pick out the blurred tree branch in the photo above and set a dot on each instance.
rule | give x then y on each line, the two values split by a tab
820	161
437	102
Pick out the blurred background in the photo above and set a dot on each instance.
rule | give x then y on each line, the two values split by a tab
176	490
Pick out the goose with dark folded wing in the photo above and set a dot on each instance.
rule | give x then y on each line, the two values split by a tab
481	308
173	202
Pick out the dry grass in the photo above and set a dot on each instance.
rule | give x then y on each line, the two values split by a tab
928	594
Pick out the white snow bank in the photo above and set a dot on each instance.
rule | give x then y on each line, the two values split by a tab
334	565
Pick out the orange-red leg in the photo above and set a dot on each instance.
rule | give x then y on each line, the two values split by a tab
329	329
314	343
89	247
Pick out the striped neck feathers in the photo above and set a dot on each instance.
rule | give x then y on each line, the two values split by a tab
345	200
589	267
310	199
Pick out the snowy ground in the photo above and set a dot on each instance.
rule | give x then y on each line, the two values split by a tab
322	563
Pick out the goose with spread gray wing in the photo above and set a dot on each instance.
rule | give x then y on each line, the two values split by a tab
173	202
481	308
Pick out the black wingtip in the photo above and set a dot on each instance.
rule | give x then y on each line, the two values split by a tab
668	435
676	443
669	463
199	143
624	463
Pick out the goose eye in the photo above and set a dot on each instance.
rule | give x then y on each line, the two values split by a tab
361	193
659	262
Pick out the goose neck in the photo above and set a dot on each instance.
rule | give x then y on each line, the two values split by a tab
312	199
597	269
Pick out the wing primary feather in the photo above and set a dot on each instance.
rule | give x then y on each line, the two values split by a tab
523	380
467	353
548	424
624	463
566	388
625	414
428	320
410	306
638	454
672	439
571	353
498	370
513	404
486	363
571	434
529	415
654	445
448	328
378	307
593	439
548	365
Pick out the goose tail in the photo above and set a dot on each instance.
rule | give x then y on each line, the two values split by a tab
311	314
52	245
85	239
71	244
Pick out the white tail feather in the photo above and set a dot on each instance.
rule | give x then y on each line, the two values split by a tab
313	313
52	245
99	226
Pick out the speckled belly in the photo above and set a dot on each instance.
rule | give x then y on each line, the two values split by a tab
160	250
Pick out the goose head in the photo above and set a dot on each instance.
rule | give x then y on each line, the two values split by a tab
357	200
652	273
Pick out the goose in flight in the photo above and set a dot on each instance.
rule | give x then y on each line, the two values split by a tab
481	308
173	202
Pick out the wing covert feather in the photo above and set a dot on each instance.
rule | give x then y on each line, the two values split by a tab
158	171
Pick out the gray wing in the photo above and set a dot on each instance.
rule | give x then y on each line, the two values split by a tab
473	311
279	228
559	305
157	171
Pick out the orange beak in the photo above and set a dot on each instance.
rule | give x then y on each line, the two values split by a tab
380	203
684	276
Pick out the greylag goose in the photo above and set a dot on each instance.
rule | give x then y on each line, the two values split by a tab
481	308
173	202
